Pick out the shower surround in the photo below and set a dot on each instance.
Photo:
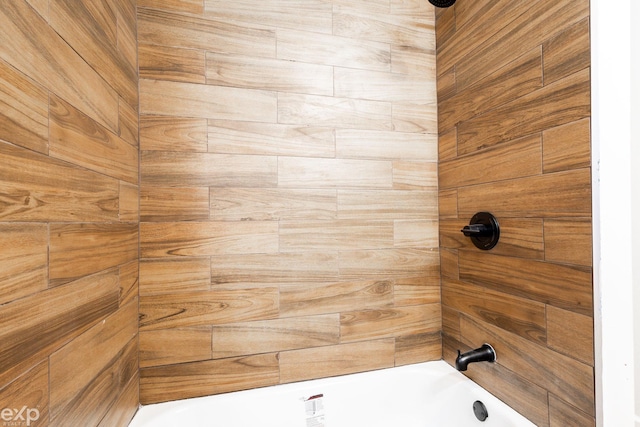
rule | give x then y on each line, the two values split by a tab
68	213
289	224
289	203
514	125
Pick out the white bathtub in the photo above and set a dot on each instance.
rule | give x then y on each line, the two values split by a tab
430	394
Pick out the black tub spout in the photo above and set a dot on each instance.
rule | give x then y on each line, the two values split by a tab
486	353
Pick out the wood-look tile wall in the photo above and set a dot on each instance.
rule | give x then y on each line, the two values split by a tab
514	139
69	211
289	198
288	205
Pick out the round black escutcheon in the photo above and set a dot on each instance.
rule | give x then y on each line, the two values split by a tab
480	411
484	230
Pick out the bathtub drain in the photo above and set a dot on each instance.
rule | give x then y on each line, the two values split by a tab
480	411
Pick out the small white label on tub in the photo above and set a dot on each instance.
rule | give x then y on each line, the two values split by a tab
314	410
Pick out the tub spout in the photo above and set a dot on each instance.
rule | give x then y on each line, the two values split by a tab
486	353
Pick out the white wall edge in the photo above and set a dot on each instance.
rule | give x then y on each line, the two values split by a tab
612	213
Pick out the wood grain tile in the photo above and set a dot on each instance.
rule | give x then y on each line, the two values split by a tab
467	12
166	169
567	147
267	336
530	399
446	84
129	202
173	346
123	410
567	53
29	335
41	6
188	6
23	255
297	236
561	285
94	401
207	238
31	389
69	206
446	24
333	173
523	317
448	145
382	86
75	366
416	291
174	204
187	309
319	362
412	30
171	63
91	30
270	139
275	268
415	233
518	78
129	282
553	371
468	38
540	22
568	241
389	263
522	237
563	414
450	323
24	119
519	237
162	27
174	275
76	250
562	102
278	251
562	194
77	139
205	101
414	175
407	60
382	6
518	73
571	334
515	159
309	298
333	50
418	348
386	145
129	123
163	383
415	116
244	204
312	15
390	322
173	133
269	74
103	16
449	264
127	34
334	111
65	73
404	7
38	188
448	204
